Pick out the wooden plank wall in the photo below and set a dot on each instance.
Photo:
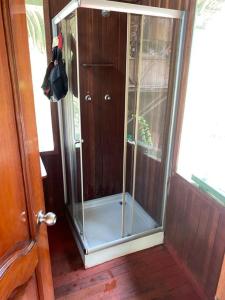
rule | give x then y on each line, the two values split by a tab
56	6
220	293
102	40
195	231
53	183
149	181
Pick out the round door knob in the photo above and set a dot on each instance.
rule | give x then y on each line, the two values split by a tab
49	218
107	97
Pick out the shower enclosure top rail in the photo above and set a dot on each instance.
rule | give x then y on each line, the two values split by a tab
117	7
97	65
130	8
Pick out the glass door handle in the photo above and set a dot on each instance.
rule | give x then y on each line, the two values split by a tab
76	142
131	142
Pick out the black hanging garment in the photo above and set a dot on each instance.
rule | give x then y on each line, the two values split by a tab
55	84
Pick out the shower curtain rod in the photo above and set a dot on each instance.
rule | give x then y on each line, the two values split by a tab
117	7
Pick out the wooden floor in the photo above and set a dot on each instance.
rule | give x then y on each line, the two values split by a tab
148	274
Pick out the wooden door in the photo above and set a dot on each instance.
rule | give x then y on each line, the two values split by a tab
24	253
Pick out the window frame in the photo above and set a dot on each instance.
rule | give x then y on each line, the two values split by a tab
202	188
53	106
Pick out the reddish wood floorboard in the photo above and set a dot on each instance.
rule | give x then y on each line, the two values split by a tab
149	274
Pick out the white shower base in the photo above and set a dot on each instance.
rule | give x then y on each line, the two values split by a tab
103	219
102	230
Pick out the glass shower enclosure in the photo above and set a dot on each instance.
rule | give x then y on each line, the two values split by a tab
134	219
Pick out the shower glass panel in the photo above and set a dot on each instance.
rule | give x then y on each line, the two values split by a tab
149	55
71	125
134	24
102	80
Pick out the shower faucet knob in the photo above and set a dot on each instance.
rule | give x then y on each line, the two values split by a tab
87	98
107	97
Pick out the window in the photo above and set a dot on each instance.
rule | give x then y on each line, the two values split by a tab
202	151
149	63
38	57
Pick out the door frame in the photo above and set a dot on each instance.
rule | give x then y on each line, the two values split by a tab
14	19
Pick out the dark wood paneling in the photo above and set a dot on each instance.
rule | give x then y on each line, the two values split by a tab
220	293
90	39
113	50
102	40
53	183
149	181
56	6
148	274
149	184
195	230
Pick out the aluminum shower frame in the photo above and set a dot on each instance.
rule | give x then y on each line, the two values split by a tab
140	10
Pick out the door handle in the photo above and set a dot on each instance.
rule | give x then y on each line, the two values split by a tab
131	142
78	141
49	218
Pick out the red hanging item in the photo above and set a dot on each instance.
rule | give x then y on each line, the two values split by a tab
60	40
55	84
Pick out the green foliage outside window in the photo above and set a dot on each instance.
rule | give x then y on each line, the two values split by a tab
35	23
144	132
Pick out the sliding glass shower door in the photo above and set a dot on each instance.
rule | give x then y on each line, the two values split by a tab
72	125
151	42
